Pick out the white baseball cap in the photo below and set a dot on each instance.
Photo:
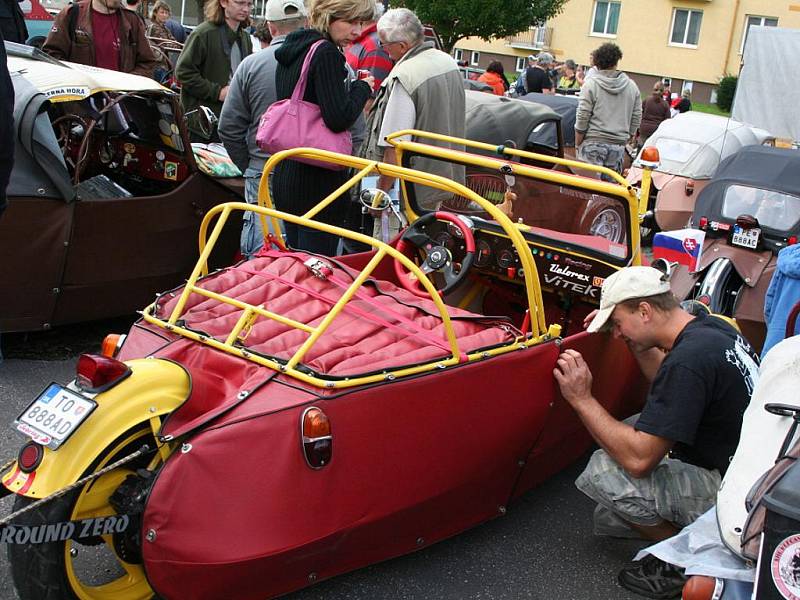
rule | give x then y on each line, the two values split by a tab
625	284
281	10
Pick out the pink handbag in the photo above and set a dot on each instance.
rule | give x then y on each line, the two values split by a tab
295	123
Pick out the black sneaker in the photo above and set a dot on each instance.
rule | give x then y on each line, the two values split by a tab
651	577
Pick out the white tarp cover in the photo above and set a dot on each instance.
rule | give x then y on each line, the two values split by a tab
692	144
76	82
766	95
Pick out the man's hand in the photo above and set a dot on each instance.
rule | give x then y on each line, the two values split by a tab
223	93
573	377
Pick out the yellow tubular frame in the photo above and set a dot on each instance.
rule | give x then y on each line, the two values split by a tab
539	329
622	189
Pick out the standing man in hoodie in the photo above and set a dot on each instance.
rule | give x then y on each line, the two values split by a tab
609	112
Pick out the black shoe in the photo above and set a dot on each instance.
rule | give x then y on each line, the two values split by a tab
651	577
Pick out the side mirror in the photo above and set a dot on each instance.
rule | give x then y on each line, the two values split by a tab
204	119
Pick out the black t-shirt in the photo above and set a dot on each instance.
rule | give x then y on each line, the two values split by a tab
700	393
538	80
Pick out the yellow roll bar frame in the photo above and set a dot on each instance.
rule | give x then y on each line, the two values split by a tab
539	329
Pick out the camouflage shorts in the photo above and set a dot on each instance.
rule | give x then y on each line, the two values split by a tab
604	155
675	491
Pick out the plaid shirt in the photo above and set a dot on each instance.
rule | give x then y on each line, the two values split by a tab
366	53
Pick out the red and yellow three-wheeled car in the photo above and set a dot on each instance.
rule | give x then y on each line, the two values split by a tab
294	417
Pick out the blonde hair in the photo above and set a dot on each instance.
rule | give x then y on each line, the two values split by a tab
158	6
213	12
321	13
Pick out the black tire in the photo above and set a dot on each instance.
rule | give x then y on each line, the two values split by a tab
720	287
39	571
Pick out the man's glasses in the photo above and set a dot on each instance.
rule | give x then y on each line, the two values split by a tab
384	44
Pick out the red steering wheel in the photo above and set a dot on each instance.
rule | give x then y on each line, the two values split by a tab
438	258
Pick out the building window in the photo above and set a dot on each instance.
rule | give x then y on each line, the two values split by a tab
520	64
458	54
605	18
686	27
475	58
754	20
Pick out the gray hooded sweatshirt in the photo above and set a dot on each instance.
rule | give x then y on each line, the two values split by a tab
609	108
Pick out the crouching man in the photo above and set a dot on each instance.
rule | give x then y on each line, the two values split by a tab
654	477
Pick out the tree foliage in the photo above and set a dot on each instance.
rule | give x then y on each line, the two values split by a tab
726	91
457	19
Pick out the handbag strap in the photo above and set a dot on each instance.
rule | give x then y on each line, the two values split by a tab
300	89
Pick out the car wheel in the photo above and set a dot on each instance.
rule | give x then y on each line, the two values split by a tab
607	222
65	570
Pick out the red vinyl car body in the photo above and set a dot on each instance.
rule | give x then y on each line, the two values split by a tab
431	434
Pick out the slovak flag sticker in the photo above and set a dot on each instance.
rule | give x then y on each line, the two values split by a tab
690	245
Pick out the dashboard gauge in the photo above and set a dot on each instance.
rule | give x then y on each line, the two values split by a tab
444	238
506	259
483	253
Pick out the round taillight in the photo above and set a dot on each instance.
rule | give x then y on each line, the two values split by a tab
792	240
703	223
689	188
705	299
30	456
650	154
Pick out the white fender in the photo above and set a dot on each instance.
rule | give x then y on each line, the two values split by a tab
761	439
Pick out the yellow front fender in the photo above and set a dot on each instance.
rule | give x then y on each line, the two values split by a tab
155	388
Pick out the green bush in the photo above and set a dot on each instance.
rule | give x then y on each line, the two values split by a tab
726	91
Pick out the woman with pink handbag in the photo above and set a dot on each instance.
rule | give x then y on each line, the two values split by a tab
297	186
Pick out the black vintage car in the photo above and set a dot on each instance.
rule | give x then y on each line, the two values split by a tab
105	197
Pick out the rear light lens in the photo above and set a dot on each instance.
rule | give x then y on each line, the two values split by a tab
317	438
111	344
30	456
703	223
705	300
689	189
792	240
650	154
97	373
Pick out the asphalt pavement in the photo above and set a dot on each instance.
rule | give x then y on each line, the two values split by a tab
542	548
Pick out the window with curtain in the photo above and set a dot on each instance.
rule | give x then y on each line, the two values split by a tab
686	27
606	18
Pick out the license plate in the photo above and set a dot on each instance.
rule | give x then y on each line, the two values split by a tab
54	416
745	238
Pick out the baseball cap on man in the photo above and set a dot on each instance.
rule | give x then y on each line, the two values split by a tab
281	10
625	284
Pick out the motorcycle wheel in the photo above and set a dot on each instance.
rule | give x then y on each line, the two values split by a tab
720	287
84	569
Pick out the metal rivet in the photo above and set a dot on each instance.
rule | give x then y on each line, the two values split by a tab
485	355
441	366
186	448
243	394
73	552
329	384
501	510
747	280
737	529
151	535
390	377
559	341
152	409
420	541
41	191
312	576
56	290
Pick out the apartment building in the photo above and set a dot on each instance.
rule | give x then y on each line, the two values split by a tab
689	43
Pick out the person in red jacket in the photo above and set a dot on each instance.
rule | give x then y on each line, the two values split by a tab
99	33
496	78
